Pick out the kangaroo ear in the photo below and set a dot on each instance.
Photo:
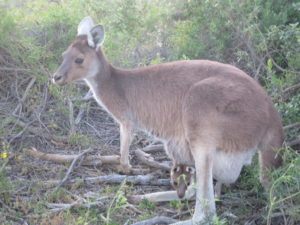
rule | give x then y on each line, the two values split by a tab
84	27
190	170
98	35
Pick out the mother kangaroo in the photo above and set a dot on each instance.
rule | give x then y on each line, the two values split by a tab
208	114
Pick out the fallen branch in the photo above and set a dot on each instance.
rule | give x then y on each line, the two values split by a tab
38	131
294	142
95	160
291	89
162	196
13	69
147	179
157	220
57	207
71	168
153	148
149	161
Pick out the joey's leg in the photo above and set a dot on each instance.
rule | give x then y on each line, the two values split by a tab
125	141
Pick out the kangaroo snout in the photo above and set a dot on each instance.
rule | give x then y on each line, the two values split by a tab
58	79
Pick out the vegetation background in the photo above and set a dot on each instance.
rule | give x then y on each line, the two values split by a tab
262	37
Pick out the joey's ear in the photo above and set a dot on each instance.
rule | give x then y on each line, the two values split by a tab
84	28
98	35
190	170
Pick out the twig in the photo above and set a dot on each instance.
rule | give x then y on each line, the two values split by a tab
38	131
71	118
22	100
71	168
157	220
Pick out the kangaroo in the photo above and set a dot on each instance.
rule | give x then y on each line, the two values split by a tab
208	114
182	176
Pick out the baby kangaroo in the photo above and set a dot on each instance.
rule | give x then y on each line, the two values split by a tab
182	176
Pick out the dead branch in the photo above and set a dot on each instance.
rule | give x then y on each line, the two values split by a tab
292	88
293	125
22	100
13	69
147	179
71	118
294	142
149	161
153	148
38	131
71	168
57	207
162	196
157	220
95	160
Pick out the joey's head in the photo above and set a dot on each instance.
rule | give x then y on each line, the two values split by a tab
80	60
181	177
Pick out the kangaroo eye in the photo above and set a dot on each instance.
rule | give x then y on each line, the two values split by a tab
175	183
79	61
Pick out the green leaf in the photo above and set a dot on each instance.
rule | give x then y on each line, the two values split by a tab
270	65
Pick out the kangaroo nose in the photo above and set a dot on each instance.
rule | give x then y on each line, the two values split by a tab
57	77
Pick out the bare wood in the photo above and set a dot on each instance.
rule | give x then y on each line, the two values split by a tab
118	179
157	220
291	88
153	148
13	69
71	118
57	207
96	160
38	131
294	142
71	168
293	125
162	196
149	161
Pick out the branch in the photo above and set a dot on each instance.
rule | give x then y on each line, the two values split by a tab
296	86
13	69
149	161
71	168
95	160
153	148
57	207
157	220
293	125
148	179
38	131
294	142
